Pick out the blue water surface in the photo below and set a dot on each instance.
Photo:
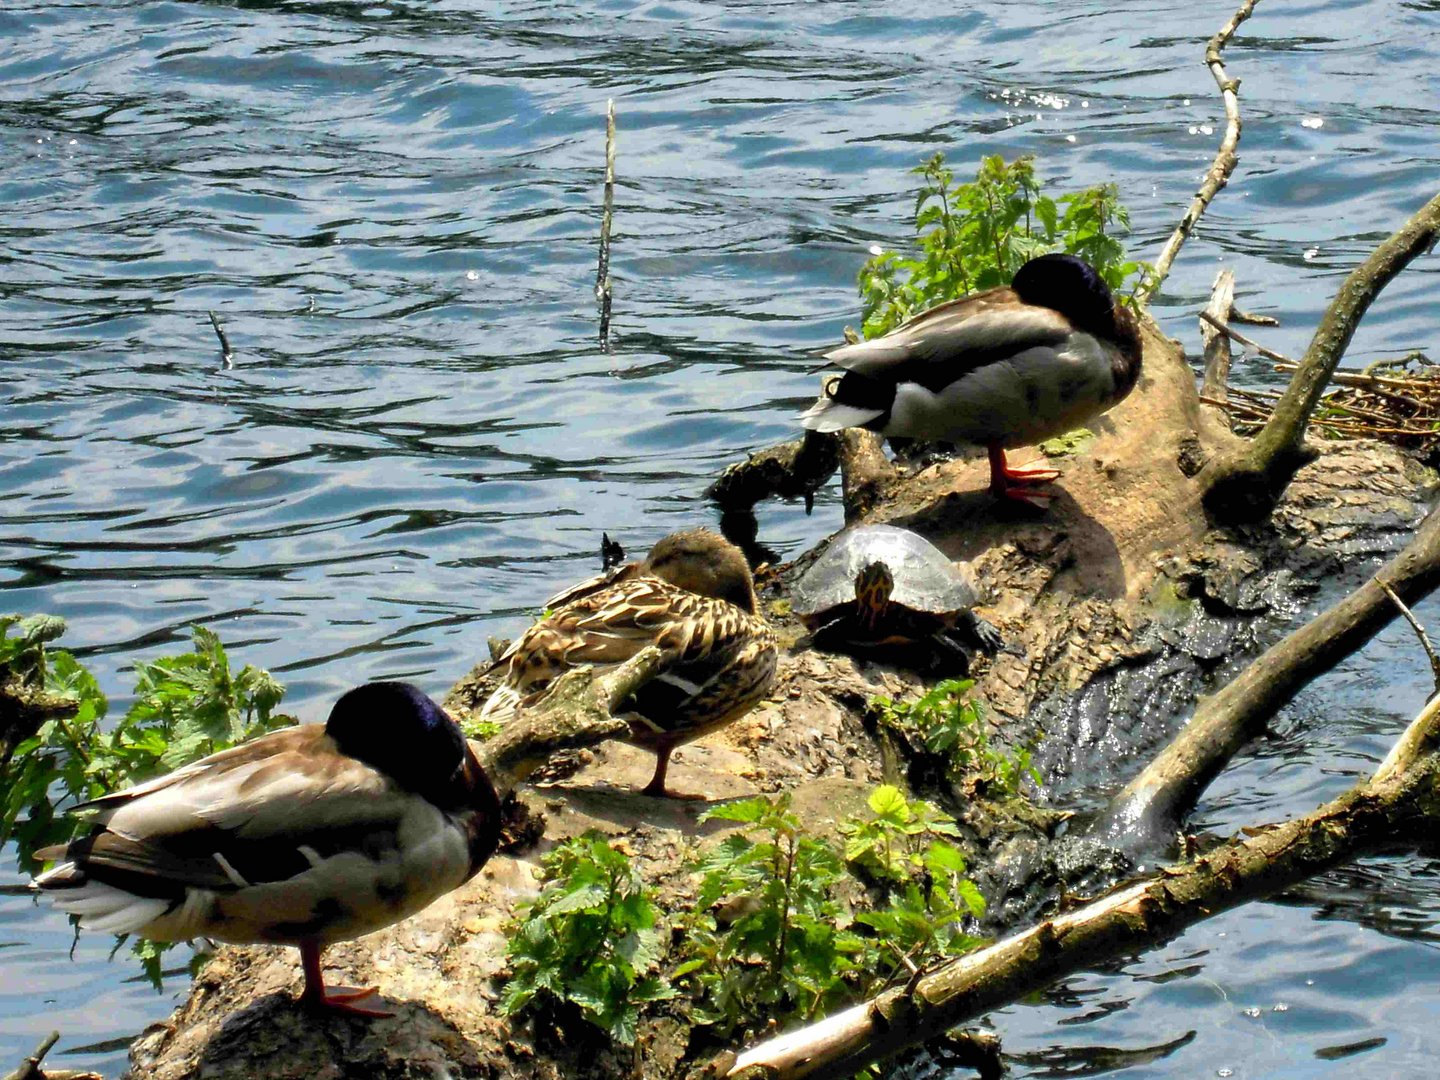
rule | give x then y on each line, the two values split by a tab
394	209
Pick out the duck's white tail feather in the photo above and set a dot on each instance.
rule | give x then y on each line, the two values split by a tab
101	907
827	414
501	706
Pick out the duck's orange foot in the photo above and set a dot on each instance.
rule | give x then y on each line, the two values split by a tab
345	1001
1011	482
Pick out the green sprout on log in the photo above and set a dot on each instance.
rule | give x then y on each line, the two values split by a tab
947	722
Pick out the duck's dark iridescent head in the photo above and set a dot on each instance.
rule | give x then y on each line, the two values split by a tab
703	562
1071	286
397	729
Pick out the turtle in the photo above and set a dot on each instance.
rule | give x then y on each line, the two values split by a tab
879	589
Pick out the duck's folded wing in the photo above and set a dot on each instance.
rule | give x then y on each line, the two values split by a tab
610	627
954	338
242	820
723	673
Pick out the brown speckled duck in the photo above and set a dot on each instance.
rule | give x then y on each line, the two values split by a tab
304	836
1002	368
693	596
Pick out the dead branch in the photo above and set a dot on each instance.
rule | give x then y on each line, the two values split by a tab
1243	485
574	713
1420	633
227	356
1150	806
30	1068
1398	801
794	469
866	474
1216	344
1230	332
1225	157
602	271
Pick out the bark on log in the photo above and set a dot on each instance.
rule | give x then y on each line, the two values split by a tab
1244	485
574	714
1400	801
1150	807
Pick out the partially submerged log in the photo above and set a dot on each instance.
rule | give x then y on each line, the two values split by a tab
1399	803
1150	807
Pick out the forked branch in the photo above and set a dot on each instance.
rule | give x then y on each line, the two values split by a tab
1245	485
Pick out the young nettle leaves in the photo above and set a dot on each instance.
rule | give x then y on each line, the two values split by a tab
974	236
593	937
925	898
768	937
946	721
186	706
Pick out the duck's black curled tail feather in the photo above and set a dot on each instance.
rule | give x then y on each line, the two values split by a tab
852	400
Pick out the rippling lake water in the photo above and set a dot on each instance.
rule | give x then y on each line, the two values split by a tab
394	209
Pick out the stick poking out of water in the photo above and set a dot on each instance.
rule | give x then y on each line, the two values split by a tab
225	354
602	273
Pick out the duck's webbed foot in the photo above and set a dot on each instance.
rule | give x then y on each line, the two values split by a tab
1014	482
342	1000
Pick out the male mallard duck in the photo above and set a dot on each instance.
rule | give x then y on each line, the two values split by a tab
304	836
694	598
1002	368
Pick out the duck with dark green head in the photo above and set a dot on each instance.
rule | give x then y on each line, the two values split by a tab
1003	368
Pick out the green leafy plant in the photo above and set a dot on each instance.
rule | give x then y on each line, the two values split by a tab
905	848
186	706
948	722
975	236
593	937
768	936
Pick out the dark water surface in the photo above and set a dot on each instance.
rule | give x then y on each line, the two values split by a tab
394	209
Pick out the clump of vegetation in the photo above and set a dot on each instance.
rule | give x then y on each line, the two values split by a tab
947	722
976	235
767	937
185	707
593	938
905	848
784	926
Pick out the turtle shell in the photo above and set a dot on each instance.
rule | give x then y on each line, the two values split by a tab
926	582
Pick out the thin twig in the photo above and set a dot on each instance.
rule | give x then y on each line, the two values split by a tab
602	272
1249	343
1225	158
1419	632
225	354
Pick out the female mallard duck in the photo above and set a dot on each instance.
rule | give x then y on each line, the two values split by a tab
1003	368
694	598
304	836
